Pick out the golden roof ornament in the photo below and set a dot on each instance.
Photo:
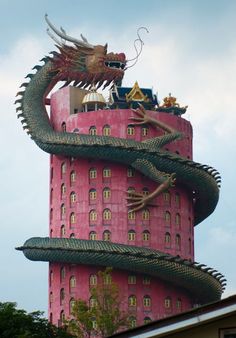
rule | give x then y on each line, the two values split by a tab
170	105
136	94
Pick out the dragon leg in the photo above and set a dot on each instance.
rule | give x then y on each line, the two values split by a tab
138	200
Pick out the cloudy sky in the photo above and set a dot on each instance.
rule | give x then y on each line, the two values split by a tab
190	51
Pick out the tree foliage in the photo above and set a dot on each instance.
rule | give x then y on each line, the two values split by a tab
103	314
16	323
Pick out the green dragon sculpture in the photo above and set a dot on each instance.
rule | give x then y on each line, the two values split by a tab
86	65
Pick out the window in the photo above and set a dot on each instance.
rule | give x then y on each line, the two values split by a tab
107	279
93	302
144	131
92	194
146	301
166	197
130	172
72	177
63	126
132	300
167	217
72	197
107	235
63	210
106	193
63	168
145	191
131	215
132	322
71	305
62	317
146	280
106	214
106	131
63	231
92	215
146	235
93	280
72	218
93	236
62	296
92	173
93	130
106	172
72	282
130	130
94	323
50	299
62	274
177	221
131	235
131	279
167	239
179	304
178	242
228	333
50	278
72	235
177	200
147	320
168	303
145	214
63	189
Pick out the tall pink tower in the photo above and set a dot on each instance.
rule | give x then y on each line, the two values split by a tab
124	191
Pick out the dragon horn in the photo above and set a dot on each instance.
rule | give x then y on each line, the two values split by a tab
66	37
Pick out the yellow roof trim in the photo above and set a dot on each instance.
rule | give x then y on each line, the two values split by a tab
136	94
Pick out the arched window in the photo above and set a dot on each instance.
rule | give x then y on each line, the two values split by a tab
93	302
63	231
178	242
63	126
93	279
145	191
107	279
167	239
92	194
168	302
130	172
167	217
62	274
51	196
92	215
63	168
72	218
62	316
50	278
93	236
130	190
94	323
132	322
63	190
146	236
107	235
147	320
130	130
177	200
146	280
132	301
145	215
166	197
92	173
72	197
131	279
50	299
51	214
72	177
177	221
106	172
63	210
106	130
131	215
106	193
62	296
92	130
106	214
72	282
179	304
146	301
145	130
51	318
72	235
71	305
131	235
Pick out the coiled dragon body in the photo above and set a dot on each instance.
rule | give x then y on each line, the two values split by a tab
87	65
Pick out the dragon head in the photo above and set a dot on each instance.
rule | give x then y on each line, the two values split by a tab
83	63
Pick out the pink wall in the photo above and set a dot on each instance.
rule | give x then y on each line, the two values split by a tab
119	224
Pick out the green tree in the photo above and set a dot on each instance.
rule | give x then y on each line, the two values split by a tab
102	315
16	323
